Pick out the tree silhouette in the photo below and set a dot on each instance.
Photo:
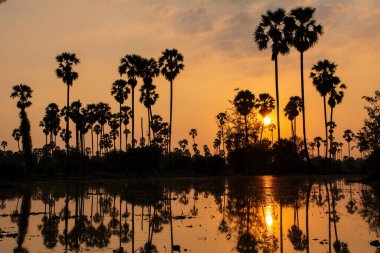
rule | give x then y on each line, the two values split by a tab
292	110
265	104
66	61
317	141
193	133
16	134
171	64
131	66
348	136
120	92
90	115
4	144
272	28
24	93
304	32
222	117
244	102
125	115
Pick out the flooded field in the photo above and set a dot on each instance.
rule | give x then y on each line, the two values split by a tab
258	214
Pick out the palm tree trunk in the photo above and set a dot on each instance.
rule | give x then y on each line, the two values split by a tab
67	120
92	141
326	135
149	139
222	137
310	185
18	145
261	134
246	130
281	239
349	150
329	211
331	141
120	135
133	226
133	117
171	218
304	115
277	98
126	138
171	115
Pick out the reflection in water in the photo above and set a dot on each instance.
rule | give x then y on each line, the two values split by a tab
260	214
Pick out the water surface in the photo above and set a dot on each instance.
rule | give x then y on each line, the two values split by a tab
258	214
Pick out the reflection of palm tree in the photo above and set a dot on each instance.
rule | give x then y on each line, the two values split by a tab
272	28
23	221
247	243
305	33
171	64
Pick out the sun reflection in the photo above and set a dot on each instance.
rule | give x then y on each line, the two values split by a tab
267	121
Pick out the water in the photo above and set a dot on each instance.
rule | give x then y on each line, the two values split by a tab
208	215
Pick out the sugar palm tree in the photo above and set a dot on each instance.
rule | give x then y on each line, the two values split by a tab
65	71
193	132
171	64
324	80
4	144
265	104
120	92
131	65
16	134
317	141
24	93
244	102
222	118
97	131
125	115
272	29
304	32
292	109
348	136
90	115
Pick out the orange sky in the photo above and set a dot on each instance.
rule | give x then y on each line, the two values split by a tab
215	37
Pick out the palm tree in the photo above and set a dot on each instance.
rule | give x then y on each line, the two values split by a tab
265	103
292	109
317	141
348	136
171	64
4	144
272	28
90	115
222	118
16	134
24	94
66	61
131	65
244	102
97	130
324	80
120	92
51	120
125	114
193	132
304	32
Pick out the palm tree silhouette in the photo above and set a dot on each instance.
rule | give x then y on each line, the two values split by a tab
272	28
51	121
16	134
348	136
24	94
148	90
193	132
4	144
66	61
304	32
120	92
97	130
222	118
89	113
125	114
244	102
171	64
317	141
292	110
265	103
324	80
131	66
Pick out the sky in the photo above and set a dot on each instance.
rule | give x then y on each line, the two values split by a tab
215	37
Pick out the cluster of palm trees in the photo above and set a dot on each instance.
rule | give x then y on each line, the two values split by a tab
280	31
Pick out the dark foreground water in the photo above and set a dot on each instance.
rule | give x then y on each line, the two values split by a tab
260	214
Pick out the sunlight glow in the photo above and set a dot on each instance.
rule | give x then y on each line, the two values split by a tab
267	121
268	217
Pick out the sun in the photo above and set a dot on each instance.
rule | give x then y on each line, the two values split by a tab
267	120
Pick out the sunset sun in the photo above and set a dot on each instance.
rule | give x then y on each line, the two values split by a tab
267	120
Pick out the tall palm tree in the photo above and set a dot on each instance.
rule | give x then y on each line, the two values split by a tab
90	115
272	28
66	61
222	118
120	92
149	96
24	93
292	109
131	66
324	80
304	32
265	104
348	136
193	132
171	64
4	144
103	114
244	102
125	115
16	134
